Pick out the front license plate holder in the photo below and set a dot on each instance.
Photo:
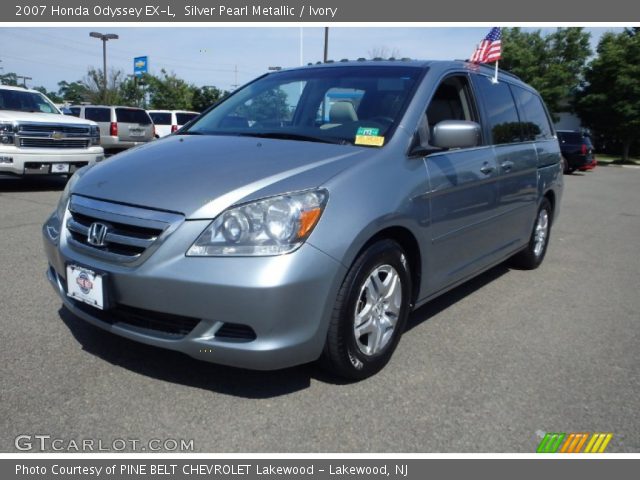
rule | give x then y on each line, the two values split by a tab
87	286
59	168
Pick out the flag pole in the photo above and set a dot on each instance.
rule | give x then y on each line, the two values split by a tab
495	75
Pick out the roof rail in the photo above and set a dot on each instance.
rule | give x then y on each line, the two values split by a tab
489	65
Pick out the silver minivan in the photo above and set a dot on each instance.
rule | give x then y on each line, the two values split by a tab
120	127
304	216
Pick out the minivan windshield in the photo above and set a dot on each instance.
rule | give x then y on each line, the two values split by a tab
26	102
332	104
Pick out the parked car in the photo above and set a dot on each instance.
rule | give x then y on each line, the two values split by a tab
169	121
37	139
577	151
120	127
265	235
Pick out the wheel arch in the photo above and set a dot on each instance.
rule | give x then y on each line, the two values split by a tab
409	244
551	196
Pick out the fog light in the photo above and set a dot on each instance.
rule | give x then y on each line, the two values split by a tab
6	159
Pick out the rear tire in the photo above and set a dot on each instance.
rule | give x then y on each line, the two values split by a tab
533	255
370	312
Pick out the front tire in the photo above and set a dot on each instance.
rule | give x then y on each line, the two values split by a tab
370	312
531	257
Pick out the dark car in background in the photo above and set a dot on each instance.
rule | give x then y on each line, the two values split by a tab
577	150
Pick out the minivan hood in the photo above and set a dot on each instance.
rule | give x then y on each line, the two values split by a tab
200	176
48	118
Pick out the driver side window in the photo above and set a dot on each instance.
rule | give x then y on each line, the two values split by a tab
451	101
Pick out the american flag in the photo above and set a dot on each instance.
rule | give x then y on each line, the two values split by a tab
490	48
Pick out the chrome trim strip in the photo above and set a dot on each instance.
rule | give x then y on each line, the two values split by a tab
137	216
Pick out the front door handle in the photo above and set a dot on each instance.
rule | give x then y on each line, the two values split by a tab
507	165
486	169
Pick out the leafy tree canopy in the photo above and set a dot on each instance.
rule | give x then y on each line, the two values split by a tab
553	64
609	103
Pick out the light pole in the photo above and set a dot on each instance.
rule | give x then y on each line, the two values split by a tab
326	44
105	37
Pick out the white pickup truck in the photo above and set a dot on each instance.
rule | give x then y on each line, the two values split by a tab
35	138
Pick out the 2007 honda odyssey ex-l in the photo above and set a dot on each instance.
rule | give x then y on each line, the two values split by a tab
308	213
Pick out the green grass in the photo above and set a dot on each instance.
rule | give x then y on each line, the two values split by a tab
615	160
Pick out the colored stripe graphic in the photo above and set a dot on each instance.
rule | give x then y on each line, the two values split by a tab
580	443
573	443
550	442
598	443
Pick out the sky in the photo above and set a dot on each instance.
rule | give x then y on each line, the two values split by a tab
222	56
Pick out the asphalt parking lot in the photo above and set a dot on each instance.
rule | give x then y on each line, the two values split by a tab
485	368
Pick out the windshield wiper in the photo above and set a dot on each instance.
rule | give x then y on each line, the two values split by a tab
294	136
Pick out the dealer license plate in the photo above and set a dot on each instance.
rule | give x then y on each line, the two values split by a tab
85	285
59	168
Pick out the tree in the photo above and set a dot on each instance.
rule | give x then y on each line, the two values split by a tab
610	100
95	86
132	91
553	64
74	92
204	97
384	52
53	96
9	79
167	91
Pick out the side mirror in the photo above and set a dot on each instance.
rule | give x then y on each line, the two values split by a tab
455	134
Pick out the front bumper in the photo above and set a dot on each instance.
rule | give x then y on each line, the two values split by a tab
286	300
40	161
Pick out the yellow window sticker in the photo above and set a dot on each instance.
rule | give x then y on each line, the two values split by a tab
369	136
371	140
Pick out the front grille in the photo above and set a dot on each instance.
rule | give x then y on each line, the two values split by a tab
129	232
53	143
236	331
148	319
36	128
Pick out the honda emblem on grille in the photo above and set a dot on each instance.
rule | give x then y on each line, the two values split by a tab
97	234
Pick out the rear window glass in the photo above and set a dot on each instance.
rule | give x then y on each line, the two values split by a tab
97	114
132	115
74	111
501	108
185	117
536	124
160	118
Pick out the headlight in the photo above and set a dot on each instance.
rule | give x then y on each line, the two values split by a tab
95	135
272	226
7	132
66	193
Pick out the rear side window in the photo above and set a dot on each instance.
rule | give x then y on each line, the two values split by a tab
160	118
503	119
570	137
536	125
132	115
183	118
97	114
